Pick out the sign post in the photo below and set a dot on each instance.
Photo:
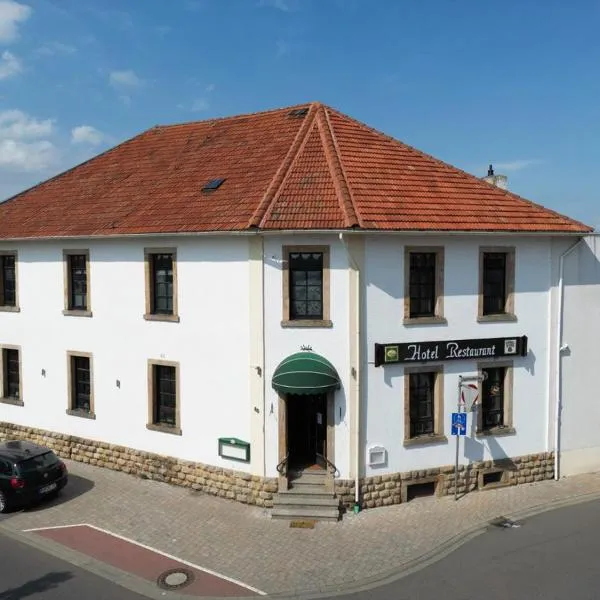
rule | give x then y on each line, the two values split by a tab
459	421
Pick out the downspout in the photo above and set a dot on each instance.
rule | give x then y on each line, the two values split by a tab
356	379
263	357
558	350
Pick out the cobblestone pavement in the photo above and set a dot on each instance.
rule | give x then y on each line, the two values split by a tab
244	543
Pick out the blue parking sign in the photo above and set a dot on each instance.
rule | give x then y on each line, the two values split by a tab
459	423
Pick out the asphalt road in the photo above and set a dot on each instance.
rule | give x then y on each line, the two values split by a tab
555	555
26	572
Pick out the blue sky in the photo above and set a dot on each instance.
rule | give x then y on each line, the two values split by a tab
470	81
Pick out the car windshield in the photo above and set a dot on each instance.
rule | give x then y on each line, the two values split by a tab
38	462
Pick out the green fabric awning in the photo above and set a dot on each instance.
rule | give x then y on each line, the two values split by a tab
305	373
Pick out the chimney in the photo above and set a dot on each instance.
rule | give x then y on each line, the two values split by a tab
500	181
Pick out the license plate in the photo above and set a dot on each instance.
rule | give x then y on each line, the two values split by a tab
48	488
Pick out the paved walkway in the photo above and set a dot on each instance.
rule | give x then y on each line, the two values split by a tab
243	543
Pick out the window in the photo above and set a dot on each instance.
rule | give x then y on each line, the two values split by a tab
11	376
306	286
77	282
5	468
161	285
81	398
423	410
424	281
8	281
496	287
495	408
163	409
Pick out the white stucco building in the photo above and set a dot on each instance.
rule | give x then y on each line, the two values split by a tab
253	304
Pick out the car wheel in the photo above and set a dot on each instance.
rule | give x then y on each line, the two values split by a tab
3	503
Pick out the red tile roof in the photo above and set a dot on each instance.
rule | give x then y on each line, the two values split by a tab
319	170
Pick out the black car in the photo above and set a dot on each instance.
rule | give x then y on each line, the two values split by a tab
28	473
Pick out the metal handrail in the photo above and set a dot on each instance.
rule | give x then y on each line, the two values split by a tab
334	469
281	467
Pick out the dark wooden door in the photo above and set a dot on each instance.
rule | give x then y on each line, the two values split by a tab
307	430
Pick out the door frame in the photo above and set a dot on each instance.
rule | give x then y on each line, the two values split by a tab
283	480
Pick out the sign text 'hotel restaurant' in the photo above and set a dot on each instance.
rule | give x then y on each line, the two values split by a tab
421	352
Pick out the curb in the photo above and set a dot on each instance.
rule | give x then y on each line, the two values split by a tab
146	588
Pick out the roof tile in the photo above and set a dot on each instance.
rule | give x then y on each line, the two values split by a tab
323	170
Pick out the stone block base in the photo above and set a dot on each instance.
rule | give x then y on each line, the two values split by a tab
394	488
224	483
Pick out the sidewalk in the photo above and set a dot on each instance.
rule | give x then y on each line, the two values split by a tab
243	543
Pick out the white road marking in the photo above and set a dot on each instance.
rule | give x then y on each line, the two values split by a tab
170	556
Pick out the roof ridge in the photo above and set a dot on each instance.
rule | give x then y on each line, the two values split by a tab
280	177
455	169
258	113
336	169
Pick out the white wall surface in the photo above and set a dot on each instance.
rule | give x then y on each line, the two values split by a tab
332	343
210	343
384	411
580	399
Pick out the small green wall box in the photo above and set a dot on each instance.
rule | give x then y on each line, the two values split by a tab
234	449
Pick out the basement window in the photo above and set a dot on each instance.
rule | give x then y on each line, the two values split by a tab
299	112
420	490
213	184
491	478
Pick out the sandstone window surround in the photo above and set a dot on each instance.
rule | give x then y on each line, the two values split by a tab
424	285
496	300
11	378
306	286
9	288
424	405
495	408
77	292
160	267
80	384
164	413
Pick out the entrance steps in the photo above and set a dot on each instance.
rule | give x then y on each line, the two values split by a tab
306	498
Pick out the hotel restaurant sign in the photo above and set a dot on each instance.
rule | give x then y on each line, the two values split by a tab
422	352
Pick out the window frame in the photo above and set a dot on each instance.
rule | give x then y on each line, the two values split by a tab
508	427
9	307
3	398
71	410
438	435
509	285
68	283
149	314
438	317
151	424
287	321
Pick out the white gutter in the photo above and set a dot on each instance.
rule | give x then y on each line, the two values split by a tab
558	350
357	408
307	232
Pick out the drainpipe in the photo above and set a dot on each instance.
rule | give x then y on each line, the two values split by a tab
263	358
558	350
356	379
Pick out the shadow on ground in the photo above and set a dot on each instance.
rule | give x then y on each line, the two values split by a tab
36	586
77	486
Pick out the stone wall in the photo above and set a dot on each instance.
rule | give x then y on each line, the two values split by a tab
224	483
394	488
380	490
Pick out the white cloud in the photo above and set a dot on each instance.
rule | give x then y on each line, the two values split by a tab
123	79
9	65
283	5
12	14
211	87
516	165
21	148
28	156
86	134
15	124
200	104
54	48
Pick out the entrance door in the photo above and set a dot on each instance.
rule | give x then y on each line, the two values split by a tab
307	430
